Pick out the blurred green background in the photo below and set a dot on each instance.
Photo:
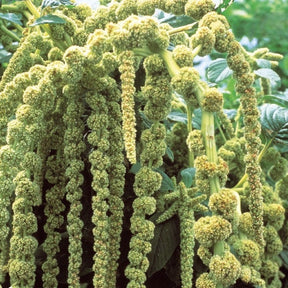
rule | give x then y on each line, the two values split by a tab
262	23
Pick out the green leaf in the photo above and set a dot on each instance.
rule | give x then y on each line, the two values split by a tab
170	154
263	63
223	6
135	168
196	119
165	241
274	122
11	17
218	70
178	116
188	176
281	99
49	19
167	184
5	56
269	74
55	3
176	21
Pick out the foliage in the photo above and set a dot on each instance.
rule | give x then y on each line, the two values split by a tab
121	166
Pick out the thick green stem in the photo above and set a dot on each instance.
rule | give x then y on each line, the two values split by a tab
32	8
182	28
207	128
171	65
8	32
143	52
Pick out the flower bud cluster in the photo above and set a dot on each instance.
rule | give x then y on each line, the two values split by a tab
22	60
138	32
116	172
127	77
241	69
185	82
233	152
73	149
219	27
157	89
23	136
204	37
154	146
207	170
146	183
198	8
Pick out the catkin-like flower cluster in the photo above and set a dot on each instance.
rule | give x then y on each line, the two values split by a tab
240	67
146	183
157	90
127	71
73	149
100	162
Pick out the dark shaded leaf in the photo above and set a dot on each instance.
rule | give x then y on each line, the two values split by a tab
176	21
269	74
178	116
274	122
5	56
49	19
188	176
196	119
135	168
170	154
284	256
167	184
165	241
218	70
11	17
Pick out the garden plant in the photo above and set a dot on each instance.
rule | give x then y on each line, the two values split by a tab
122	165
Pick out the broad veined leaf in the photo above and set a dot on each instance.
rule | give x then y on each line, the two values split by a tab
165	241
274	122
281	99
269	74
263	63
11	17
188	176
177	116
49	19
55	3
218	70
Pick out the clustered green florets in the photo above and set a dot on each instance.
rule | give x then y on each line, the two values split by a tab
212	100
225	270
209	230
183	56
198	8
204	37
